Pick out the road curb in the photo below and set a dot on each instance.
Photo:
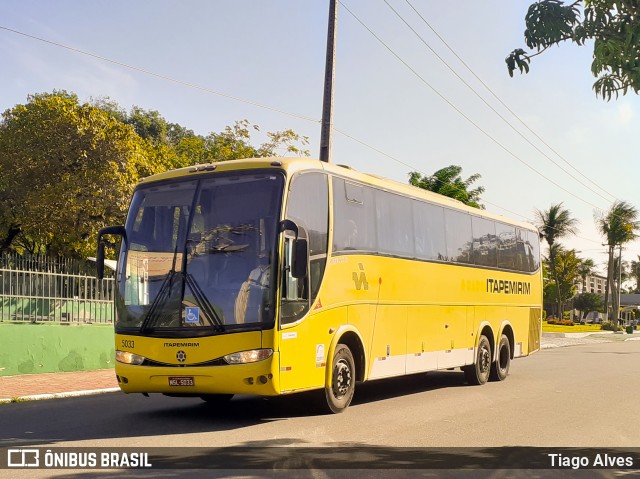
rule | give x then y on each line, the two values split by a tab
40	397
573	335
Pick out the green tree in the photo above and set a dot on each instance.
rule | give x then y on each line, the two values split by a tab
448	182
234	142
553	224
618	225
585	269
66	170
565	271
634	272
587	302
613	25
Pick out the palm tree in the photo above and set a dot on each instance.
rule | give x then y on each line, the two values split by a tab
585	269
567	269
635	273
618	226
554	224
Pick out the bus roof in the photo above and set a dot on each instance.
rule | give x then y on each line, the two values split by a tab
292	165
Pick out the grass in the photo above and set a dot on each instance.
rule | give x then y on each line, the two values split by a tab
578	328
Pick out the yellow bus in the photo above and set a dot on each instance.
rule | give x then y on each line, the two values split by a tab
280	275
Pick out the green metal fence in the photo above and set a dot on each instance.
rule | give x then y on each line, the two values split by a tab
42	289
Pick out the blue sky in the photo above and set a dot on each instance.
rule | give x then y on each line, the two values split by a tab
272	53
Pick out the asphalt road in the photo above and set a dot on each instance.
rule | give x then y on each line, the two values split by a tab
578	396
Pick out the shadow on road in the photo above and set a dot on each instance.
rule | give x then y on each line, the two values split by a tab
116	415
352	459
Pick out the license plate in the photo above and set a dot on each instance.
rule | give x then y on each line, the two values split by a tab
181	381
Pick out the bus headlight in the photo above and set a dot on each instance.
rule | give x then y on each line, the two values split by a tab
129	358
248	356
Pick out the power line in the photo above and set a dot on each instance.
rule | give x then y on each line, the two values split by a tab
504	104
208	90
163	77
460	112
259	105
507	122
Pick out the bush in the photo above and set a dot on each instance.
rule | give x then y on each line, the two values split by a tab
559	322
608	326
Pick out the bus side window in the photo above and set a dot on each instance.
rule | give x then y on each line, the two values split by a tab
312	218
295	291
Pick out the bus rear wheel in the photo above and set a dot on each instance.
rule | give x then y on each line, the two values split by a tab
343	380
500	368
478	373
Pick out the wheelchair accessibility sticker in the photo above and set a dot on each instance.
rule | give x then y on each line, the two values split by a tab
192	315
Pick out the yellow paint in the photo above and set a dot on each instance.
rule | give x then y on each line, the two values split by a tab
398	308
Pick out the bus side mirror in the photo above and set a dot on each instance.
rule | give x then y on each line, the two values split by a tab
300	258
100	261
110	230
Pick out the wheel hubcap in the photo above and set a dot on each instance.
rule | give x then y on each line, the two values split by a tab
485	359
341	378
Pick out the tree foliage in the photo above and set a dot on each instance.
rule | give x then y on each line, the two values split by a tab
613	25
553	224
68	168
448	182
585	269
634	272
618	225
587	302
566	270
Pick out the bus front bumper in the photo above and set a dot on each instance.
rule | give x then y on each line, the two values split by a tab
259	378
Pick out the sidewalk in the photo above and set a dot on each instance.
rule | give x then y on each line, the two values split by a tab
31	387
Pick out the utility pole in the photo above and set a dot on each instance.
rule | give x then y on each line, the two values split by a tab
617	311
329	75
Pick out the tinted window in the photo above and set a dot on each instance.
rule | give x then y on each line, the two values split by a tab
308	206
458	234
485	243
533	250
428	222
354	217
395	224
507	247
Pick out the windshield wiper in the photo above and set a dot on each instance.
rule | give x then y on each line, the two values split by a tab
160	300
203	302
229	248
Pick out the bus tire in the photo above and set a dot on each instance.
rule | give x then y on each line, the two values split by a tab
500	368
215	399
477	373
343	380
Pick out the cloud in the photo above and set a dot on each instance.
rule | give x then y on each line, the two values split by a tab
625	114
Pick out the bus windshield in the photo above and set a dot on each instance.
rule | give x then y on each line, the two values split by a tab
199	255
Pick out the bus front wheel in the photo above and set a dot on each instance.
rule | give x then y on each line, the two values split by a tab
478	373
500	368
343	380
